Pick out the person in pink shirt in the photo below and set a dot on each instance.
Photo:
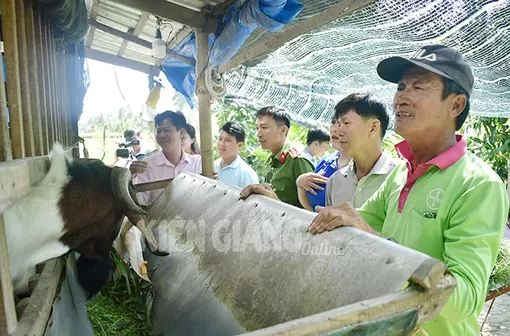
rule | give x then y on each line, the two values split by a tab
170	160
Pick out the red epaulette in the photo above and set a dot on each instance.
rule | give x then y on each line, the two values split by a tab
283	157
294	153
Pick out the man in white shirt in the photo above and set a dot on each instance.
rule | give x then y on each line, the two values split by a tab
231	168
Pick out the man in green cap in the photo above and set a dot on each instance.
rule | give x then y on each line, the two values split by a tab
285	163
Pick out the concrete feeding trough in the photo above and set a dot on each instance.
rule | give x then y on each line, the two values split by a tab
251	267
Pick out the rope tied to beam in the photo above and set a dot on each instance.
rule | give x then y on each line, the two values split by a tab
215	83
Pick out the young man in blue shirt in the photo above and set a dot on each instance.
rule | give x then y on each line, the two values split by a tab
231	168
312	186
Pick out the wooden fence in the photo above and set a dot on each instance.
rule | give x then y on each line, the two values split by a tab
34	113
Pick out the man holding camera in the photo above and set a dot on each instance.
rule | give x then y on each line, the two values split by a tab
132	146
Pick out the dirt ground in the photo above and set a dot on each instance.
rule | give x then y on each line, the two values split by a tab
498	322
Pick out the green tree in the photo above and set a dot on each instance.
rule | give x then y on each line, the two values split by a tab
103	132
179	101
489	139
390	140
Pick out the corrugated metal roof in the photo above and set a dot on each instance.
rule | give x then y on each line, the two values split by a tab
196	5
138	23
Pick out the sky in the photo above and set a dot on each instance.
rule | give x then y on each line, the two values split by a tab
104	95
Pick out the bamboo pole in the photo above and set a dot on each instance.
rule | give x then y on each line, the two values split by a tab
33	65
54	77
56	92
204	104
71	78
62	94
46	79
65	95
52	82
28	129
9	33
8	318
40	46
5	139
49	82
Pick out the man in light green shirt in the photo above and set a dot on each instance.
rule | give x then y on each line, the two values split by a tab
444	201
362	121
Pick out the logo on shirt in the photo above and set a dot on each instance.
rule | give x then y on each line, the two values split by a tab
434	198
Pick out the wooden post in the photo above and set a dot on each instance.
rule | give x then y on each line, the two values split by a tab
40	46
48	83
5	139
56	92
52	81
35	101
61	93
65	93
28	129
73	122
204	104
9	33
61	90
37	312
8	318
54	78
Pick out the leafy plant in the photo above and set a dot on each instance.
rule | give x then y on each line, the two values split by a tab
489	139
500	275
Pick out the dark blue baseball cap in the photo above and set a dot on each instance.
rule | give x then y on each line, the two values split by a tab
439	59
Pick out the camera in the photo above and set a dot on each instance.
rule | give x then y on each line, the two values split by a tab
124	150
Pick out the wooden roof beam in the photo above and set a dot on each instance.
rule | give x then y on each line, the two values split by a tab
137	40
136	32
265	47
118	60
92	16
168	11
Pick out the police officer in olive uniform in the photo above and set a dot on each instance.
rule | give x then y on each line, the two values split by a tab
283	170
285	164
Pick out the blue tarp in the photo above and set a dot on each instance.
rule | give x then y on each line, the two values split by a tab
241	20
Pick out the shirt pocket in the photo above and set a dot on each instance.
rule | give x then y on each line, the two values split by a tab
426	234
279	184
